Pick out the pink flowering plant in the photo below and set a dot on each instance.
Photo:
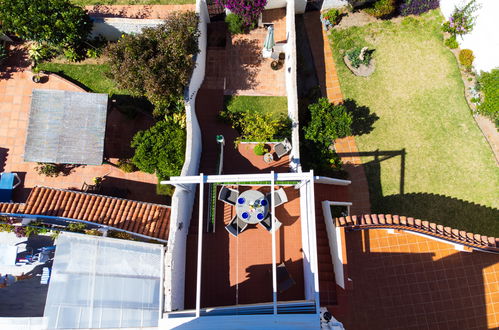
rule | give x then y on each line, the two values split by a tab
247	10
462	20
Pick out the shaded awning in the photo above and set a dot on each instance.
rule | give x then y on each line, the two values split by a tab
66	127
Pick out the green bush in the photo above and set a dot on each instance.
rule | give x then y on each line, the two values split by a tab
354	57
256	126
235	24
157	63
5	227
451	42
93	232
488	83
382	8
73	55
57	22
165	189
126	165
328	122
77	227
120	235
160	149
49	169
332	15
261	149
3	52
466	57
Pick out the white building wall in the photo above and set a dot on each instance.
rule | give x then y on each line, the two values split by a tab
328	4
483	40
335	244
291	84
183	199
112	28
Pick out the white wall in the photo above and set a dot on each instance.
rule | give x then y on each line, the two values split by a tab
483	40
272	4
328	4
182	199
291	85
112	28
335	244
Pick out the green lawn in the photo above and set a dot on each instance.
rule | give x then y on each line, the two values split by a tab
265	104
131	2
91	76
425	157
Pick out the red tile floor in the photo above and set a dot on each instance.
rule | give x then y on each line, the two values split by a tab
238	270
15	99
404	281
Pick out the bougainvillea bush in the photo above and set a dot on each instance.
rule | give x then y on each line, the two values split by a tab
462	20
417	7
248	10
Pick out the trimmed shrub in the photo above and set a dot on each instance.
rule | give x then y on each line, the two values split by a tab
235	24
382	9
488	83
466	57
417	7
451	42
255	126
160	149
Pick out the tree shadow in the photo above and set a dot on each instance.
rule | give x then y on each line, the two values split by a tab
363	119
244	61
120	11
17	61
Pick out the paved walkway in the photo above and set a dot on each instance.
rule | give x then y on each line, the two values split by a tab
330	86
15	101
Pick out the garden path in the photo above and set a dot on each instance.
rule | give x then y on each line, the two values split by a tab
330	87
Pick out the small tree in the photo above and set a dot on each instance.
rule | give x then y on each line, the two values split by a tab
57	22
158	62
255	126
160	149
328	122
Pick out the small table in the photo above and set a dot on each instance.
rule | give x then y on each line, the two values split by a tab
251	206
268	158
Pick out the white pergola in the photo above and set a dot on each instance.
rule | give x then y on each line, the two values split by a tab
270	179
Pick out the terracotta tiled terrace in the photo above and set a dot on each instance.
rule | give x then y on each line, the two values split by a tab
15	99
239	270
238	66
404	281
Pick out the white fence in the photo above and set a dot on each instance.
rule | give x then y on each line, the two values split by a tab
335	244
183	199
112	28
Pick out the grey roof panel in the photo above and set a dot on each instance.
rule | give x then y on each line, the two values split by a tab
66	127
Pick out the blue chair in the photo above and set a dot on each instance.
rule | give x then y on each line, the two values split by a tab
7	186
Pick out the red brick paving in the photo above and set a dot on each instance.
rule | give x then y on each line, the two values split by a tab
330	86
239	68
404	281
15	100
237	270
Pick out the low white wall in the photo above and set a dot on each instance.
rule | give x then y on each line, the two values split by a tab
481	40
272	4
183	199
328	4
23	323
335	244
291	85
112	28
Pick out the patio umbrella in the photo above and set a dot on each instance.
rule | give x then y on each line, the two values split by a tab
269	40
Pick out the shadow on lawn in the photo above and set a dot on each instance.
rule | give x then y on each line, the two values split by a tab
441	209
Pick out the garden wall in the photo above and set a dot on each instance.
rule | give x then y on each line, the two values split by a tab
328	4
112	28
183	199
480	40
299	5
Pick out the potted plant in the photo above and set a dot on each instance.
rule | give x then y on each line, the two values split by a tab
37	75
261	149
282	57
275	65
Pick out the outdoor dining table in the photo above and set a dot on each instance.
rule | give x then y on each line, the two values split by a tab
251	206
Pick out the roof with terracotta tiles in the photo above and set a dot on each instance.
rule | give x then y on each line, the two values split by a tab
10	207
138	217
374	221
